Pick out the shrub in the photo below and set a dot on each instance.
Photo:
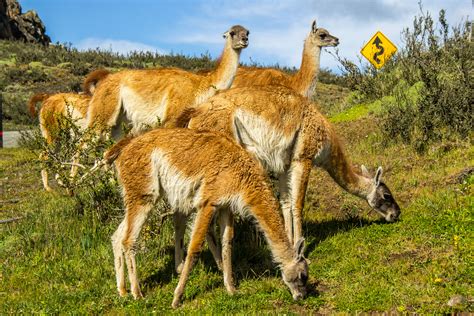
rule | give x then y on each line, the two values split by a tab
95	188
429	83
442	61
14	108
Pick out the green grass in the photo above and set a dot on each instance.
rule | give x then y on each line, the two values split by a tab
414	265
351	114
58	258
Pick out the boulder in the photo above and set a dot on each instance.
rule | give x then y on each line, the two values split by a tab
15	25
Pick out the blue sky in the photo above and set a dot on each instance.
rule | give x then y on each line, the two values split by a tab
277	28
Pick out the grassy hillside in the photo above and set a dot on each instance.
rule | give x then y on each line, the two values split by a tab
58	259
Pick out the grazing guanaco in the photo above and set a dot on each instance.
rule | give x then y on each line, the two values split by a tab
53	106
202	172
288	135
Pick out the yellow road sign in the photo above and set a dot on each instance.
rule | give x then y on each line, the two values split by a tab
378	50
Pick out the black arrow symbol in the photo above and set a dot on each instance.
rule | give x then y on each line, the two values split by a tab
378	44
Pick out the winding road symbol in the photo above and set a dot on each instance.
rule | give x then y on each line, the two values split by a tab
378	43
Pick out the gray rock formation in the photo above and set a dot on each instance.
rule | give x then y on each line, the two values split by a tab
14	25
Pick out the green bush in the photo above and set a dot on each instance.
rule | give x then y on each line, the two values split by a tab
426	89
95	189
15	109
442	61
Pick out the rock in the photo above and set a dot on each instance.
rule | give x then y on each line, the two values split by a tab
457	300
26	27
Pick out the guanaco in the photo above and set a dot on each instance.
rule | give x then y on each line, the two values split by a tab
288	135
149	95
202	172
53	106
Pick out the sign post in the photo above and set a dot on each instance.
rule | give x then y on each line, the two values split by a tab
378	50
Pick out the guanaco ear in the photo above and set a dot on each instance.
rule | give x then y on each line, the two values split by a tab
299	247
242	135
364	170
378	176
314	27
225	35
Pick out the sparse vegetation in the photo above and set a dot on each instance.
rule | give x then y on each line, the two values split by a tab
95	190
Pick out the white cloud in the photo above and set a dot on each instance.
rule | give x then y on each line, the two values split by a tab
118	46
241	9
285	47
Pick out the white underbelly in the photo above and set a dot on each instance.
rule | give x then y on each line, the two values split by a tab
270	146
142	113
182	193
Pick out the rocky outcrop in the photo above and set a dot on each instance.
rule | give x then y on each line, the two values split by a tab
27	27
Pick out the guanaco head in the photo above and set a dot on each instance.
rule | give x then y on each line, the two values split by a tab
239	37
380	198
320	37
295	275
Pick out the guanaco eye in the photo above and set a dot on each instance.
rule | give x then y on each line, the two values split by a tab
387	196
304	278
323	36
232	33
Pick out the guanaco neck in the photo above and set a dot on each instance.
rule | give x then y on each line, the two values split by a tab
265	209
341	170
223	76
304	81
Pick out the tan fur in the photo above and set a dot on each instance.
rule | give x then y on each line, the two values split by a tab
315	143
52	107
90	83
304	81
146	96
60	103
161	163
39	97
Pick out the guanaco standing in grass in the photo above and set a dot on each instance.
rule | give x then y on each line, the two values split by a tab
289	136
53	106
148	95
205	172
